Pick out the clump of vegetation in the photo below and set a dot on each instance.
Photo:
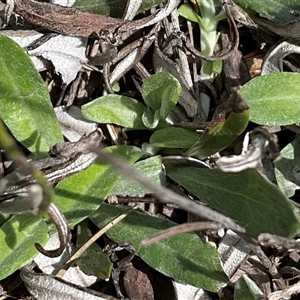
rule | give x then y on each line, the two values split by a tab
150	146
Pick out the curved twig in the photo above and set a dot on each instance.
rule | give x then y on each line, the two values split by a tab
63	232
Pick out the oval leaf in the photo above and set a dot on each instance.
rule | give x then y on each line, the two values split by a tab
25	105
173	137
274	99
161	92
116	109
18	236
246	197
184	257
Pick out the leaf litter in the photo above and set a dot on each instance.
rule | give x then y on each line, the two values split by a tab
72	81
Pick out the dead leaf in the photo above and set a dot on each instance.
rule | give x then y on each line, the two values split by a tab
47	287
66	53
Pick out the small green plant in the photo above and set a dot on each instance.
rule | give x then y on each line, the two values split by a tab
208	21
81	196
160	94
246	197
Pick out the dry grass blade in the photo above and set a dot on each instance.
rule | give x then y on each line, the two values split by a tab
93	239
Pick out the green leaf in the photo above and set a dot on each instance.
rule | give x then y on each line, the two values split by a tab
246	289
184	257
18	236
151	168
274	99
25	105
246	197
4	218
116	109
79	195
207	9
217	66
150	118
93	261
173	137
217	138
222	130
161	92
287	168
111	8
277	11
186	11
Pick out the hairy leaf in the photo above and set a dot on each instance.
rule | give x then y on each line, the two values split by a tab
116	109
18	236
246	197
287	168
185	257
161	92
93	261
173	137
274	99
224	128
277	11
186	11
25	105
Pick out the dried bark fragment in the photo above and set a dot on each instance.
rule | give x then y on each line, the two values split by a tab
65	20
